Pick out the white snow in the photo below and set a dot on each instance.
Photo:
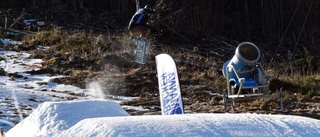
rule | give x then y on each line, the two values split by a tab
92	116
6	42
97	118
50	118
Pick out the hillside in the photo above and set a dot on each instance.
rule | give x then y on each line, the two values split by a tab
88	46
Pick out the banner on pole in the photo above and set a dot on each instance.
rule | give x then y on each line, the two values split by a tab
169	87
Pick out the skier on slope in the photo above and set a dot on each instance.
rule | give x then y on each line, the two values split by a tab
138	25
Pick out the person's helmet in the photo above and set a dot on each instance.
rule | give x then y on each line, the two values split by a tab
149	7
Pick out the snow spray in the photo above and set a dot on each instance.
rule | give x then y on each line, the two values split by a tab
16	104
95	90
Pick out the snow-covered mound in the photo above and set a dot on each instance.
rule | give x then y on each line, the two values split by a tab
52	117
107	118
191	125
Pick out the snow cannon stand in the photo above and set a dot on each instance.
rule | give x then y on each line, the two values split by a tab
246	78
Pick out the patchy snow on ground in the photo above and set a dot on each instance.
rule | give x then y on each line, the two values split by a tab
50	114
6	42
19	96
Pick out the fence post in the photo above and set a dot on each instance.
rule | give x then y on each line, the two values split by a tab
225	100
281	100
137	4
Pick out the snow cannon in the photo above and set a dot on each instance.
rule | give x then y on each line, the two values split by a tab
246	54
244	71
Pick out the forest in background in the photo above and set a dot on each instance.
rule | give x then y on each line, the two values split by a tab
277	26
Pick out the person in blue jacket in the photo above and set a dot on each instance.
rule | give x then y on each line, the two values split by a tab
138	26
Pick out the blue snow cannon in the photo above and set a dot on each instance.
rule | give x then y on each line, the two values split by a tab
244	71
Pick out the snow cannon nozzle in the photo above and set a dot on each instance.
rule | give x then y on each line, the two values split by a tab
246	56
246	53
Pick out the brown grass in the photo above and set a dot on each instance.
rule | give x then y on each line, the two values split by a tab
114	55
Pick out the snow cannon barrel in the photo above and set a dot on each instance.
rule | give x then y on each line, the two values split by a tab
246	54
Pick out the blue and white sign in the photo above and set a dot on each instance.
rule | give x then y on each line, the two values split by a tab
169	87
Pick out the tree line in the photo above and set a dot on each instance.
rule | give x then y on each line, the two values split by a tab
287	22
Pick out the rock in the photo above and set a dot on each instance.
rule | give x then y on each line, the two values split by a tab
15	75
34	100
2	72
2	58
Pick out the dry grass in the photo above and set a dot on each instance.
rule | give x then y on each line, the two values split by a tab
107	53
